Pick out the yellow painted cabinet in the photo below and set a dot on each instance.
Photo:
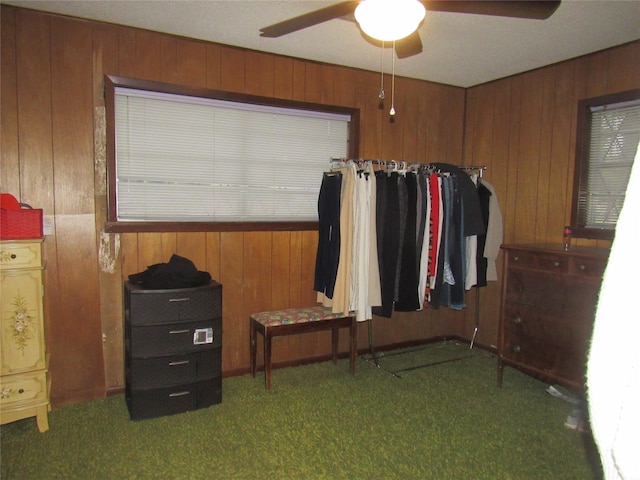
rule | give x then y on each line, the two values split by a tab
24	379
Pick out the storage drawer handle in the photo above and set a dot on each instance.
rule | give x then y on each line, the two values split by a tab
176	332
516	349
516	258
179	394
181	362
556	264
583	267
517	320
179	299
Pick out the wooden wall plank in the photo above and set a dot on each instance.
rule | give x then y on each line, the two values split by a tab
77	325
280	270
192	245
283	78
562	149
511	199
528	157
313	88
72	107
169	60
259	73
544	156
127	52
148	54
232	69
213	255
191	63
9	158
149	251
235	343
213	66
35	117
624	73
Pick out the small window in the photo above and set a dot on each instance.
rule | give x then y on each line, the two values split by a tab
181	156
608	132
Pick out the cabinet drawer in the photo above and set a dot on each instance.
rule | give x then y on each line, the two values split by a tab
565	363
23	390
557	263
148	307
587	267
17	254
172	338
563	329
156	402
175	369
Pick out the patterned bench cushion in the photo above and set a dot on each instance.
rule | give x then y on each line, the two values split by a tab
295	315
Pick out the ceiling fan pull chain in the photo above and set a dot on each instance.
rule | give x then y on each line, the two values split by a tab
381	94
392	112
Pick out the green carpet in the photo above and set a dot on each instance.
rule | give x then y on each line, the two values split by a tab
447	421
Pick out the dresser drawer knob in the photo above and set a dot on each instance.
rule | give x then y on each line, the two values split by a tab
583	267
516	349
556	264
517	320
515	259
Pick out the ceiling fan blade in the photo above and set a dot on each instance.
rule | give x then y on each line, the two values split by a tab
409	46
305	20
536	10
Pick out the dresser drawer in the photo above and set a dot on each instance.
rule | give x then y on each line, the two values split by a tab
20	254
175	369
174	338
156	402
23	390
149	307
587	267
548	360
550	262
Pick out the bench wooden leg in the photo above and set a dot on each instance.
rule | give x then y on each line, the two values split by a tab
267	358
353	345
335	332
252	346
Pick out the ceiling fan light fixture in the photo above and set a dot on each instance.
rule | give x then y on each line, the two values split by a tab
389	20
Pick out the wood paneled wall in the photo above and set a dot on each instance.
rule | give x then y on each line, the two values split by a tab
53	158
523	129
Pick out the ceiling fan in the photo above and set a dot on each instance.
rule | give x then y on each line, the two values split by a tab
412	45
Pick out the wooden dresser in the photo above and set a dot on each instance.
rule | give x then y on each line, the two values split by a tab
24	378
549	299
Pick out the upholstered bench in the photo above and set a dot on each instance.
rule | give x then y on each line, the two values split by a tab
299	320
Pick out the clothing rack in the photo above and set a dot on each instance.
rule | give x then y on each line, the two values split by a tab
394	165
400	165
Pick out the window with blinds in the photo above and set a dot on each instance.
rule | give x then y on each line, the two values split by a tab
608	136
201	158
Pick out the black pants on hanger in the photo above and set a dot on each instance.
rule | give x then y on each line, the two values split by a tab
328	253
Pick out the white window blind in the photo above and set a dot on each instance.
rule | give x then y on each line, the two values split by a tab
182	158
615	133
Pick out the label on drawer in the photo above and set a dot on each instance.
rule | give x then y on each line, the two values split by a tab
202	336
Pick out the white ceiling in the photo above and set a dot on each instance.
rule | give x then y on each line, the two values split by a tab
459	49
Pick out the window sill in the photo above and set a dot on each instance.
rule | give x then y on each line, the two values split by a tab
143	227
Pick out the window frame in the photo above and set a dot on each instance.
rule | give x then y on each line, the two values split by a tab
116	226
581	166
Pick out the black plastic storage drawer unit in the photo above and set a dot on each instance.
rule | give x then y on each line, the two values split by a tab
173	349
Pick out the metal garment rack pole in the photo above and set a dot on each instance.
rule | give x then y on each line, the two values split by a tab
372	353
